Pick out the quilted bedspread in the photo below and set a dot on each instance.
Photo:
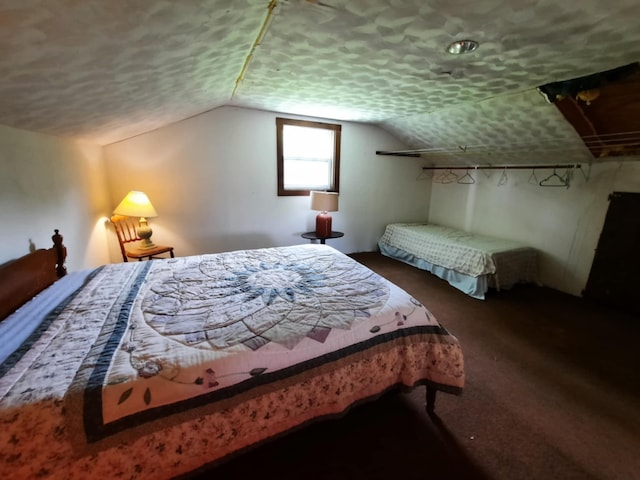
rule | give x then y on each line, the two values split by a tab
153	369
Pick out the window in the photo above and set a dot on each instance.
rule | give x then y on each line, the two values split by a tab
308	156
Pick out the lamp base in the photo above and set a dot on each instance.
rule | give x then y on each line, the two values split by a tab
323	224
145	232
146	244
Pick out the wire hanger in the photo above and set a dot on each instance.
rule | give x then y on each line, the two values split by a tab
424	174
533	179
554	180
503	178
466	179
568	176
586	175
446	177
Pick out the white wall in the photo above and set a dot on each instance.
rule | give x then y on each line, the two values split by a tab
212	179
563	224
48	183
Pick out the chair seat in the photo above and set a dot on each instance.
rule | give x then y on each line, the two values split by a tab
141	253
127	232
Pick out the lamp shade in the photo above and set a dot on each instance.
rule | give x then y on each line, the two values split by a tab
324	201
136	204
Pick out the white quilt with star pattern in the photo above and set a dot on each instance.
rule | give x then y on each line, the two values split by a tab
200	356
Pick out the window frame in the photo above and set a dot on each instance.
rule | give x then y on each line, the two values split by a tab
336	128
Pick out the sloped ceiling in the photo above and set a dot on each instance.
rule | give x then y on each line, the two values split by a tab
104	71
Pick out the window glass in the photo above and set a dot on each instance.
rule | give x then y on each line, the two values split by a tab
308	156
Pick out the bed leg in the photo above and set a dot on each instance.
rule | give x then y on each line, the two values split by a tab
431	399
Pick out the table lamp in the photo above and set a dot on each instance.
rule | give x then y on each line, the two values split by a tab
324	202
137	204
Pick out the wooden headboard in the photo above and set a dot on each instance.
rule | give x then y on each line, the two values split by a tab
22	279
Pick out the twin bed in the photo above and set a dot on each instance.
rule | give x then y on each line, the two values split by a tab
470	262
156	369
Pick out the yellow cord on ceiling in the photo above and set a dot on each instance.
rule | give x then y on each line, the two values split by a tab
272	5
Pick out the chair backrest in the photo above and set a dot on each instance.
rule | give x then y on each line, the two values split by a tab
126	230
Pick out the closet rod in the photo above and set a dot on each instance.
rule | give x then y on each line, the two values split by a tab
398	153
504	167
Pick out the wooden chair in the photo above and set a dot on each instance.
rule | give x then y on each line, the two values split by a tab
127	234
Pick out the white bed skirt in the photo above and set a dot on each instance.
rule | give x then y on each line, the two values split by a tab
475	287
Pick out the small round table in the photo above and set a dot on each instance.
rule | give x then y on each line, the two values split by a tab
312	236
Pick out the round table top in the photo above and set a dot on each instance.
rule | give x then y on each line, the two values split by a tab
313	236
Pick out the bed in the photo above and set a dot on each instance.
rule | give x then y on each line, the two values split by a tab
470	262
159	369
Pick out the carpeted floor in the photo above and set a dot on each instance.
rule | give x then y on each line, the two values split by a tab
552	392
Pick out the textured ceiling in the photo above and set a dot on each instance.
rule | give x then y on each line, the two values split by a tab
106	70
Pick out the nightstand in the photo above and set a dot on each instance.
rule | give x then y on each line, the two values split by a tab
312	236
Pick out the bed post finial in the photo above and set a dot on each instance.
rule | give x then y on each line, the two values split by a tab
61	253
